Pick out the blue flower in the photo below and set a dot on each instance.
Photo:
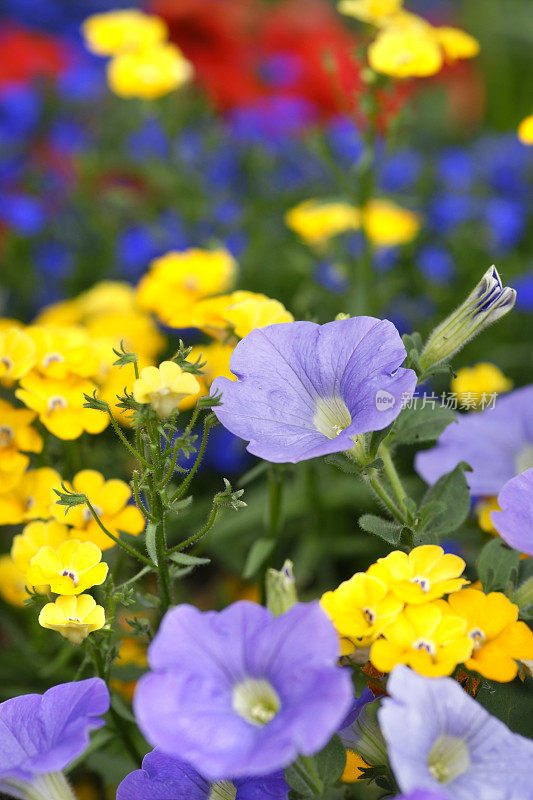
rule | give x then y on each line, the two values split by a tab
163	776
436	263
448	211
20	112
42	734
306	390
280	70
385	258
240	693
23	213
400	171
226	453
439	739
344	140
332	277
456	169
506	220
148	142
524	292
270	120
52	259
136	247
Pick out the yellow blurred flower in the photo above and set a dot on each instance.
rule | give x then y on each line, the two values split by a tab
12	582
525	130
360	608
456	44
73	617
17	354
425	638
316	221
236	314
374	11
62	352
215	357
164	387
70	569
148	73
31	499
404	52
389	225
110	501
16	435
64	313
35	535
499	639
128	29
136	329
475	385
132	652
59	404
179	279
483	510
118	380
425	574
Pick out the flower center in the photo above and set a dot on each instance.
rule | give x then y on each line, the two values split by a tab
87	515
222	790
56	402
69	573
7	436
331	416
448	758
7	362
478	637
52	358
256	701
424	583
369	615
524	459
425	644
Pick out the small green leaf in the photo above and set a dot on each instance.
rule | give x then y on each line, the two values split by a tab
425	424
151	529
452	491
257	556
187	560
331	761
497	567
384	528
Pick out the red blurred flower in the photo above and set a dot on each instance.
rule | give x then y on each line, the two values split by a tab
27	54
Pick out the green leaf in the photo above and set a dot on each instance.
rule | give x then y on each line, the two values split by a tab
452	491
384	528
187	560
510	703
425	424
497	567
259	552
331	761
151	529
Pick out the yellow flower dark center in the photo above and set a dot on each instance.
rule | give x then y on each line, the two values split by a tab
425	644
68	573
424	583
56	402
52	358
369	615
7	362
7	436
478	637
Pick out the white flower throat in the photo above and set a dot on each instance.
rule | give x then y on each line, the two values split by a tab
331	416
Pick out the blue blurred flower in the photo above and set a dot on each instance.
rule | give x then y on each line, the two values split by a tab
344	139
226	453
524	292
280	70
400	171
68	136
507	222
436	263
227	212
504	162
171	231
52	259
23	213
136	247
270	120
20	113
149	141
385	258
236	242
448	211
332	277
456	169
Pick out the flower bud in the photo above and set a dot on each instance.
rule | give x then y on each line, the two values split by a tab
364	737
281	589
488	301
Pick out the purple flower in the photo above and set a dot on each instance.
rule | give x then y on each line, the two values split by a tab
422	794
305	390
164	777
41	734
496	442
440	739
514	522
240	693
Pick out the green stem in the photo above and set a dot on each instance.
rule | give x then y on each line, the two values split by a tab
137	496
125	735
158	513
383	495
393	477
275	500
126	547
186	482
207	527
306	769
125	442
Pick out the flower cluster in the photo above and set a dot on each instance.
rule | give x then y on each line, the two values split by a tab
397	609
143	64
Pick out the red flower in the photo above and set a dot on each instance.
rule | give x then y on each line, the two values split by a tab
26	54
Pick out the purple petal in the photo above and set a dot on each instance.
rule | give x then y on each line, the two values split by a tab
163	777
284	370
514	522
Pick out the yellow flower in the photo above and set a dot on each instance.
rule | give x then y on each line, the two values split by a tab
31	498
215	357
179	279
148	73
426	574
525	130
457	44
136	329
425	638
12	583
483	509
70	569
16	434
475	385
164	387
405	52
73	617
354	767
389	225
360	608
62	352
117	380
375	11
499	639
35	535
110	501
237	314
59	404
316	221
117	31
17	354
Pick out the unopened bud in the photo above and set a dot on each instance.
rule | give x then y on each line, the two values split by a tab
487	303
281	589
